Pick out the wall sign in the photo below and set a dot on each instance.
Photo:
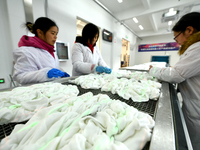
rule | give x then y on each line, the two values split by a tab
173	46
107	35
62	50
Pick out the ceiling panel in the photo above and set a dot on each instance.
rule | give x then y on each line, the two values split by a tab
143	20
149	13
114	6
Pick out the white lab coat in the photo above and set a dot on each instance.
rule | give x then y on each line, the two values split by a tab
32	65
83	59
186	72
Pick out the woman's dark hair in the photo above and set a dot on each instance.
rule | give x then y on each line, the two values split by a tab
89	32
42	23
190	19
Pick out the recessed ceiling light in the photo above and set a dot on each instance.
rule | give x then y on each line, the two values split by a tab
135	20
120	1
141	27
170	23
171	9
171	12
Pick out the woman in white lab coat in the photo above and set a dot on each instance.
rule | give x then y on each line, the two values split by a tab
186	72
86	57
35	59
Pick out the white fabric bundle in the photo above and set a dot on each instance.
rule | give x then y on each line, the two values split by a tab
91	81
138	91
139	88
121	73
83	122
138	75
22	103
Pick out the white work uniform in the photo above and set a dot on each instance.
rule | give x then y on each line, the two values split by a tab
83	59
186	72
32	65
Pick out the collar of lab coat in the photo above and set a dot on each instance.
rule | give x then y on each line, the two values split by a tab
79	39
191	40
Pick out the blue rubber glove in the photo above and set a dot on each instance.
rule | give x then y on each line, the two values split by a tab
55	73
66	75
100	69
107	70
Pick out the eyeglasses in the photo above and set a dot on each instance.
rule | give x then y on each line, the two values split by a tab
177	35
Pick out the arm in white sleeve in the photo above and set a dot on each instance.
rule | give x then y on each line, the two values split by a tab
26	70
187	67
77	61
101	62
167	74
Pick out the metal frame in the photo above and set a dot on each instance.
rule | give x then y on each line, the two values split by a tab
163	137
180	118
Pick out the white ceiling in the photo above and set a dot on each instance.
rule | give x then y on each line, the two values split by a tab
148	13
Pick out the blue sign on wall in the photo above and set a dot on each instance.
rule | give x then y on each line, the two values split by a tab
173	46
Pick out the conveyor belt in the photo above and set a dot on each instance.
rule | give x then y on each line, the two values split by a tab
147	107
6	129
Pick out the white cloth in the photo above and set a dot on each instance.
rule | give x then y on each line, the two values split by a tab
83	59
145	66
121	73
139	88
186	72
83	122
32	65
130	88
22	103
141	76
91	81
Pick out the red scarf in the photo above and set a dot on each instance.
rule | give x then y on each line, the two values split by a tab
91	47
36	42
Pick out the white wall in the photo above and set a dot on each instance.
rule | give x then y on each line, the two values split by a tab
17	20
143	57
119	33
64	13
6	42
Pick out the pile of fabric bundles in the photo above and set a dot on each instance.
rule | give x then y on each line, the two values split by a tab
139	87
85	122
22	103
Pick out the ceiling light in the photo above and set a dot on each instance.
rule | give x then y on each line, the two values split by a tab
171	9
120	1
171	15
171	12
141	27
170	23
135	20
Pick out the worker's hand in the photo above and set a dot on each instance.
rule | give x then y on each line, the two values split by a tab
66	74
56	73
150	67
107	70
100	69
